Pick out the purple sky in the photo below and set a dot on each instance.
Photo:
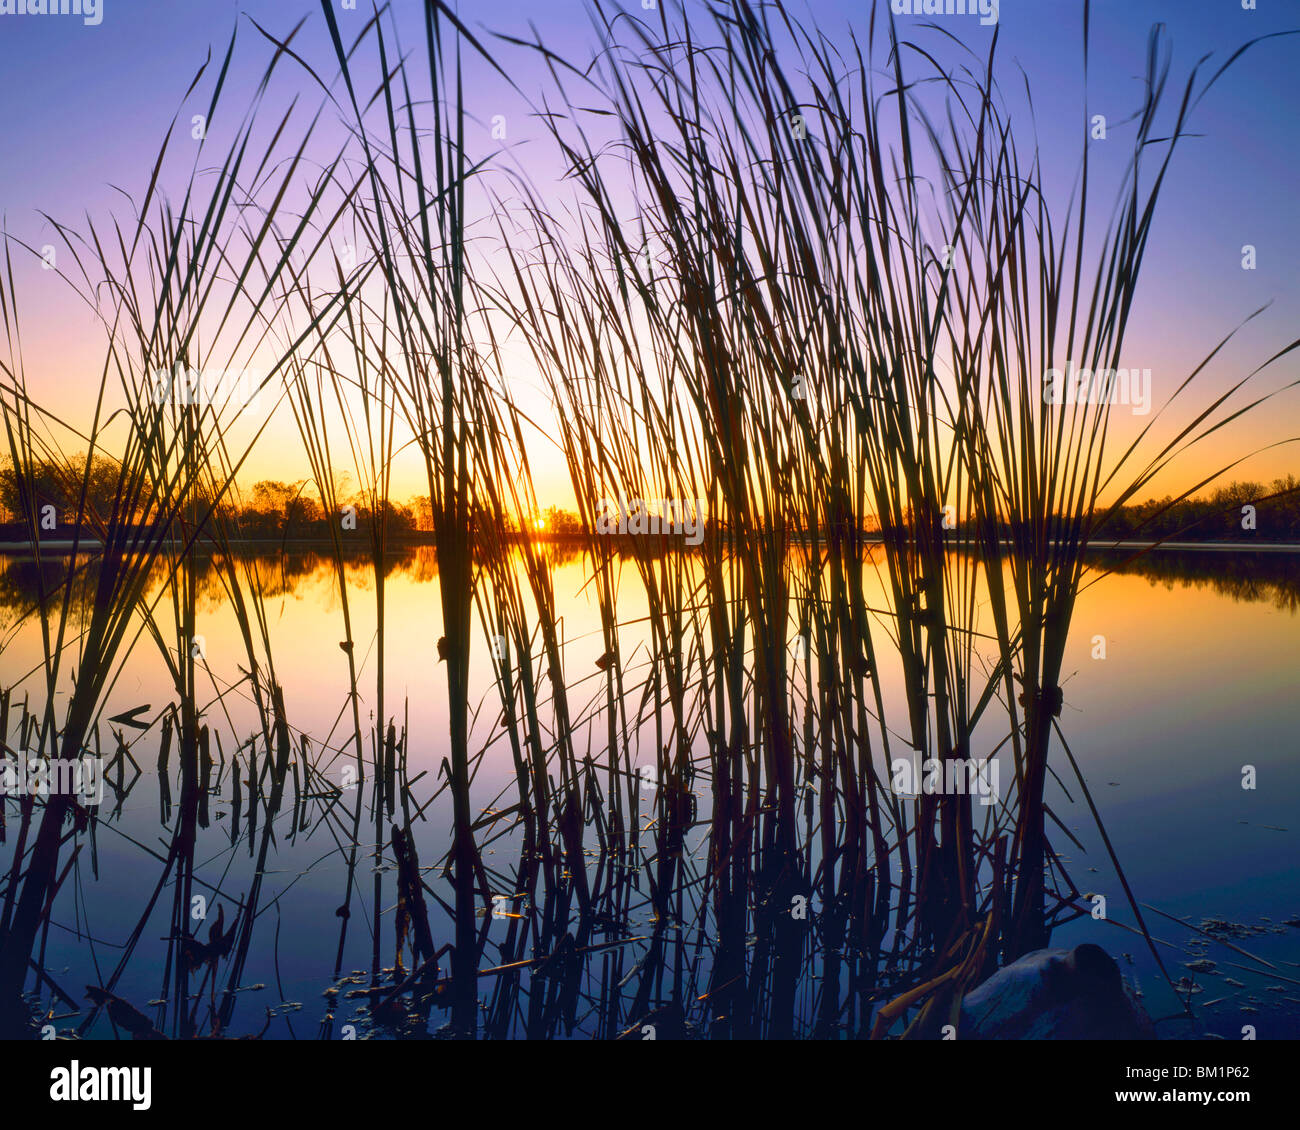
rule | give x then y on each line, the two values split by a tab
88	106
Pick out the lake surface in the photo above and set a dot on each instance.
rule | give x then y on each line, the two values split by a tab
1198	690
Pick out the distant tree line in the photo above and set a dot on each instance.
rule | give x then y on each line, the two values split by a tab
274	510
1238	512
1241	511
58	484
270	510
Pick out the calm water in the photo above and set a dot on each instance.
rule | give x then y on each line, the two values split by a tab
1199	679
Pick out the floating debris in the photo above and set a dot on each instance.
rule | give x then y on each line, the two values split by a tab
1221	928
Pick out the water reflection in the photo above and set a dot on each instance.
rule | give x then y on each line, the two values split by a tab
1247	578
1244	577
660	912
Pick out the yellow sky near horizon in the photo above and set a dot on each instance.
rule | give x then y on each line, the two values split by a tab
63	362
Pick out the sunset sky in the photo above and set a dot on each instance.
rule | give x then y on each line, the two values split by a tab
88	107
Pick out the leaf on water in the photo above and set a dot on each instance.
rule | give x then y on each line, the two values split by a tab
132	718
